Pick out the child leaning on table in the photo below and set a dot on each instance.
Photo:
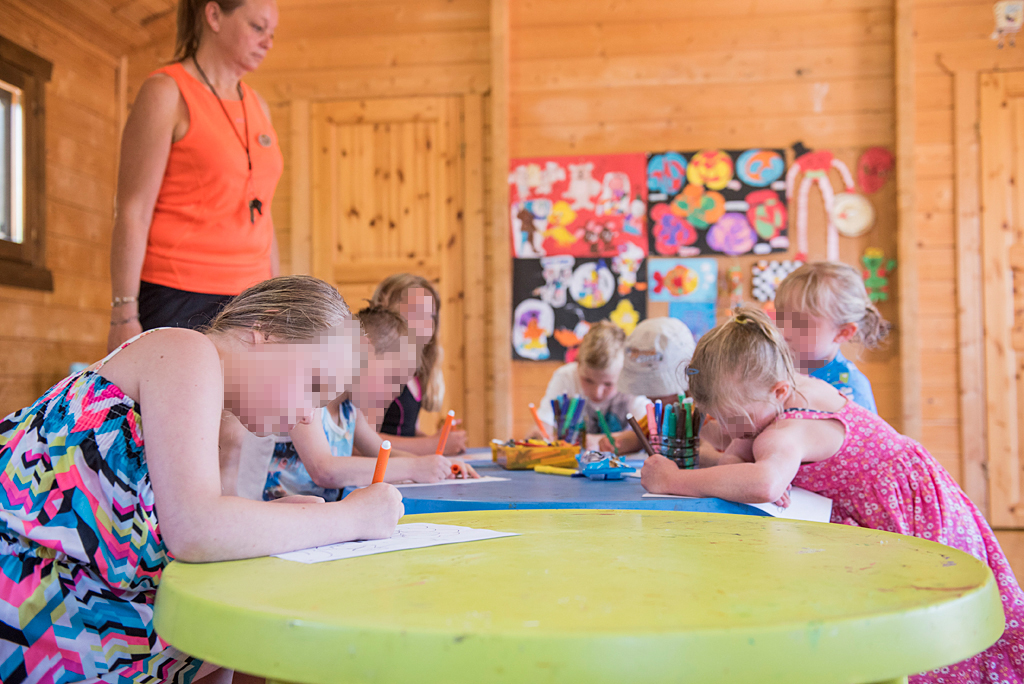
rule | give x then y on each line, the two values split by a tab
788	428
307	463
113	471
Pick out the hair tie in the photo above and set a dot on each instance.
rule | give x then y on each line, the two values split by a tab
692	371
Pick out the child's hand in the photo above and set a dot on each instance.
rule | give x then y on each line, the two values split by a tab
598	443
432	468
378	509
299	499
456	443
463	470
656	475
785	500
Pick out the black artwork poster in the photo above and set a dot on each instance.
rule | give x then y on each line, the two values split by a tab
556	298
717	202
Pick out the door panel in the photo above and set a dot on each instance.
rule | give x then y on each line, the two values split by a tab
387	188
1002	161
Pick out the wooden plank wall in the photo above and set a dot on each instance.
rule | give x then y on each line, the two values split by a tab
606	76
43	333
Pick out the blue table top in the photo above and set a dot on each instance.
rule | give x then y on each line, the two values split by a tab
527	489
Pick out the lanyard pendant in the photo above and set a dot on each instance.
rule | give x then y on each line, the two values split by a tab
255	207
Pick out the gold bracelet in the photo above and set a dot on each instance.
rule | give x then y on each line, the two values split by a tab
126	320
119	301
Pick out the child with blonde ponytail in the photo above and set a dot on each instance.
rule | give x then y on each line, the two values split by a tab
788	428
821	306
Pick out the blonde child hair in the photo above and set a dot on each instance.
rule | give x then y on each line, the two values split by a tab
383	327
737	361
287	309
601	346
389	294
834	291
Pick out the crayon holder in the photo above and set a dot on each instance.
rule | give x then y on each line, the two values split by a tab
684	452
525	456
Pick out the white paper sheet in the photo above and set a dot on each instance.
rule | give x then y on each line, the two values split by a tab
410	536
803	505
454	481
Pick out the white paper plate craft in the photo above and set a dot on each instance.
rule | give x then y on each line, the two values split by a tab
593	284
532	324
853	214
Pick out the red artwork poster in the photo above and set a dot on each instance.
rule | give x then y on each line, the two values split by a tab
583	206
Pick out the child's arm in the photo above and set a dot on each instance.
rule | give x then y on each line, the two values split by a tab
334	472
777	453
738	451
180	388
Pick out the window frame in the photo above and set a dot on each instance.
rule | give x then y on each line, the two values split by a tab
24	264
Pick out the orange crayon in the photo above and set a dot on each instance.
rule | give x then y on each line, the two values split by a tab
382	461
540	423
443	439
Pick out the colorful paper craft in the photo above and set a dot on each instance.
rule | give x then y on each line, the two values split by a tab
692	280
874	169
716	202
814	167
699	317
876	272
585	206
734	286
557	298
767	275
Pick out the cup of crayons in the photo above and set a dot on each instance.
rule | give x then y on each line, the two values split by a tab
569	424
673	430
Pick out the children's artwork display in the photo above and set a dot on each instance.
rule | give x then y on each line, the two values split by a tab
765	277
556	298
876	272
583	206
699	317
682	280
715	202
812	168
874	167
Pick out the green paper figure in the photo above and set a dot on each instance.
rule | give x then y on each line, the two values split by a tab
877	270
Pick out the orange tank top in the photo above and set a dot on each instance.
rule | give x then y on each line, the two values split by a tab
201	238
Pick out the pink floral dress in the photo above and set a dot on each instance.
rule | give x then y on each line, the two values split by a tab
886	481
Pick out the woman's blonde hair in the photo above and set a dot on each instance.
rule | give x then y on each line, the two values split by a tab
603	344
835	292
190	24
287	309
739	360
389	294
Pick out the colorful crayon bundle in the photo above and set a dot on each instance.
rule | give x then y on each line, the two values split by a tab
569	424
674	431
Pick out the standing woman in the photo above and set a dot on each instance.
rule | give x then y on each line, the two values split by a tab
199	165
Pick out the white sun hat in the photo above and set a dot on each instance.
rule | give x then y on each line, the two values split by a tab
656	356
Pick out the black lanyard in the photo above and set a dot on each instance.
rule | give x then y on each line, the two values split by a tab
255	205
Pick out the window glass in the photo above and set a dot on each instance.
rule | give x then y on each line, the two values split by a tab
12	144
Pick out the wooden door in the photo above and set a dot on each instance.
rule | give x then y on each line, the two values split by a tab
387	197
1002	169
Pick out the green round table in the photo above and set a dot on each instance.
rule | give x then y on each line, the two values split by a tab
596	596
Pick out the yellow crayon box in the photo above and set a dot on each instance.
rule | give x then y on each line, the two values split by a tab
527	455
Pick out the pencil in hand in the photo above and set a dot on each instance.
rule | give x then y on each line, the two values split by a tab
382	461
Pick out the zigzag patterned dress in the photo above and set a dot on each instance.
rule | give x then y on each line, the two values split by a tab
80	548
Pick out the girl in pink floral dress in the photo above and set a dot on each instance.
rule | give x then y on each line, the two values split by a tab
792	429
